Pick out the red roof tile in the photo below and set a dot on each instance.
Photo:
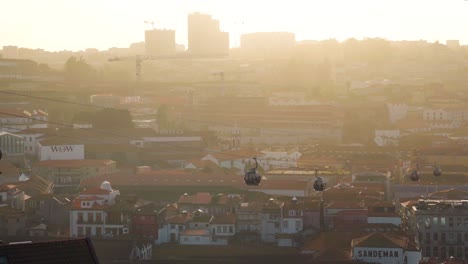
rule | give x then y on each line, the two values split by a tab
73	163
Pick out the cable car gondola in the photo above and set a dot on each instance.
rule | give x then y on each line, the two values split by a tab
319	185
251	176
414	175
437	171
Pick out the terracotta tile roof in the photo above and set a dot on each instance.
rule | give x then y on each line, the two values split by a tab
198	198
8	168
73	163
53	252
179	219
281	185
194	232
36	185
345	205
167	178
381	240
228	219
14	112
95	191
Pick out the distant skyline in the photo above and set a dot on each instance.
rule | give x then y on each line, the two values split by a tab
56	25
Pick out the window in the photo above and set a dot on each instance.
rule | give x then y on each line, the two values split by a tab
442	237
442	221
197	238
435	252
428	237
80	231
98	217
450	222
98	231
231	229
466	237
224	229
298	225
80	217
459	221
427	223
435	220
218	229
436	236
90	217
185	238
285	224
172	226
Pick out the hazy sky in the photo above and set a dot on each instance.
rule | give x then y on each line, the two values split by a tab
80	24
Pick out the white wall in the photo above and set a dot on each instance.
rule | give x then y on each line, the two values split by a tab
61	152
379	255
291	225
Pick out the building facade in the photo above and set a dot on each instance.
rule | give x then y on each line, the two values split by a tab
205	37
160	42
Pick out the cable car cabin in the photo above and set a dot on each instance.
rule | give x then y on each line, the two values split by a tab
319	185
252	177
437	172
414	176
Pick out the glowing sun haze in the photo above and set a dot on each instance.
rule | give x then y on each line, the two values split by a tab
80	24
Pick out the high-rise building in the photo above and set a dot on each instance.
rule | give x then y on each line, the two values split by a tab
160	42
205	37
10	52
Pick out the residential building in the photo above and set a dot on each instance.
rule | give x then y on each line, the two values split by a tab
171	227
248	221
12	197
383	213
89	216
12	146
223	227
337	214
12	221
440	226
15	119
68	174
271	216
145	222
160	42
213	204
205	37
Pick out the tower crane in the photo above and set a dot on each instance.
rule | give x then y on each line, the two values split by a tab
140	58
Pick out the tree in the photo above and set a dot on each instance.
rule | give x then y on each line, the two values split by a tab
162	117
78	70
107	118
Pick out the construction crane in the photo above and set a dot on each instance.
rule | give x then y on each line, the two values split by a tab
150	22
140	58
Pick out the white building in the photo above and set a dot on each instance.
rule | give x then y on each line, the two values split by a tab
397	111
53	149
89	217
387	137
385	248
